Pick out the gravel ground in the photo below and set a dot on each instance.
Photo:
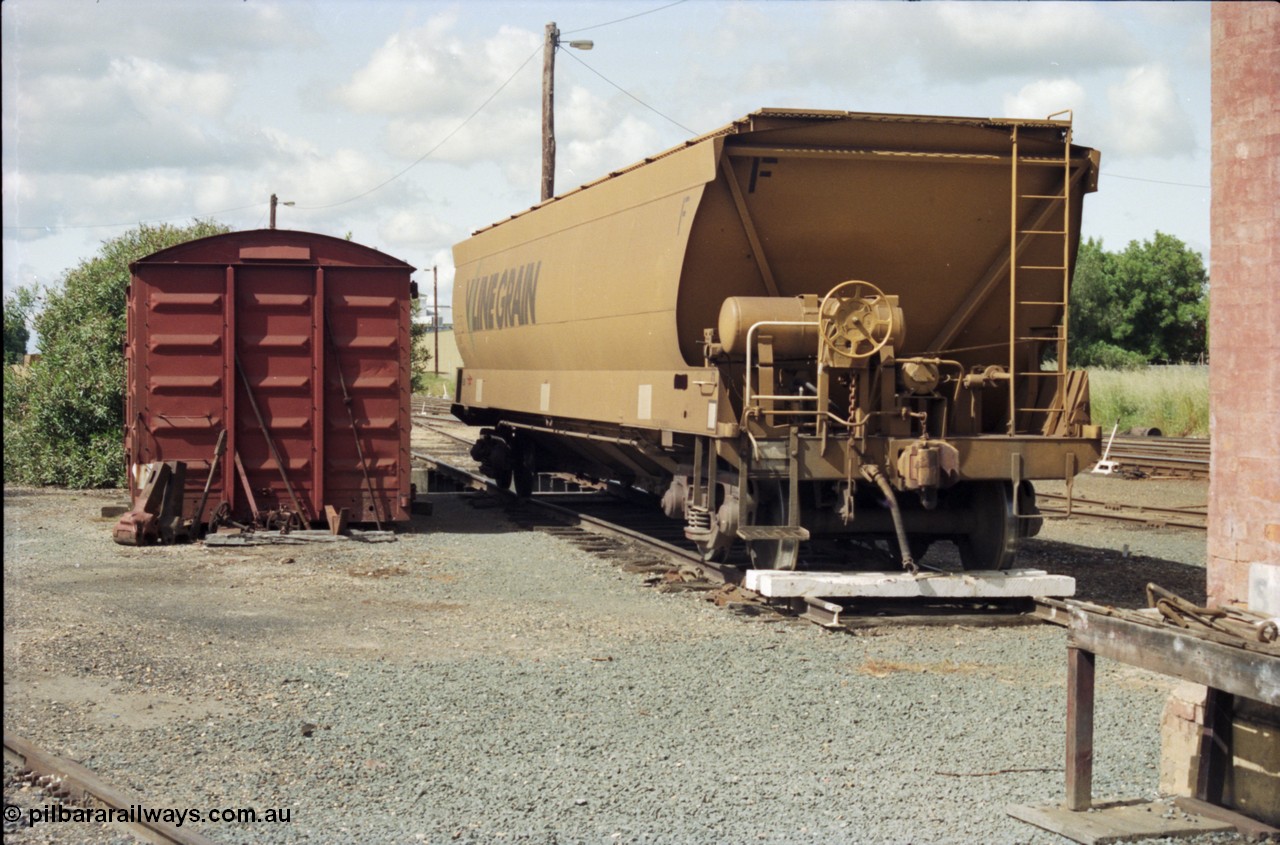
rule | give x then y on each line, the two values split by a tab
474	683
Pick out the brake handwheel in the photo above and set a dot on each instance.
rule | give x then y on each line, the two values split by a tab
855	319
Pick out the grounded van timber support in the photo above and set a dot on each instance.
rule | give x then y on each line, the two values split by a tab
351	415
275	455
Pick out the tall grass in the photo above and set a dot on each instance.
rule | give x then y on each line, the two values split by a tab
1174	399
440	386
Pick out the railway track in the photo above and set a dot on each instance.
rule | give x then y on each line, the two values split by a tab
68	781
651	543
612	528
433	406
1194	516
608	523
1162	457
1156	457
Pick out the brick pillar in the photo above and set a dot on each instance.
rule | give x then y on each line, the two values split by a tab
1244	298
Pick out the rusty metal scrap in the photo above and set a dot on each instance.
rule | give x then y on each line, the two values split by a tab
156	515
1236	622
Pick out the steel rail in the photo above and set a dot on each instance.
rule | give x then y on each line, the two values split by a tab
714	572
82	786
463	477
816	610
460	438
431	404
1174	517
1185	456
825	613
717	573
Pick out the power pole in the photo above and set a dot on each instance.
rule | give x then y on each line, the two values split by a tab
549	48
548	111
435	306
274	202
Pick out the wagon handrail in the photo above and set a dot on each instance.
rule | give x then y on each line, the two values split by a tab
746	388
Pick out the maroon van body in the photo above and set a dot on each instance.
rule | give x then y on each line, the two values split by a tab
294	323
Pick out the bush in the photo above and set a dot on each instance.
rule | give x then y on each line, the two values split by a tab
1149	301
64	416
1108	356
17	313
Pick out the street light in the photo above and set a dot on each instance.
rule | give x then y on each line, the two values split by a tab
274	203
548	105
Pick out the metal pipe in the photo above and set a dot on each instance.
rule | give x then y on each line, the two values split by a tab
872	473
746	398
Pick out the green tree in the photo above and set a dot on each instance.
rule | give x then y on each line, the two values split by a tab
64	417
1147	304
419	355
18	308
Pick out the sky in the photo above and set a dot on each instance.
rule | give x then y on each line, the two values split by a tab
408	124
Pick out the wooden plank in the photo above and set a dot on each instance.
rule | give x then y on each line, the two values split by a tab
1116	822
1215	746
1178	653
1080	677
1052	611
1013	583
1246	826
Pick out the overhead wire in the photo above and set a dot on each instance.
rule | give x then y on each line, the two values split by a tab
499	90
471	117
629	94
1154	181
420	158
620	20
134	222
439	143
381	184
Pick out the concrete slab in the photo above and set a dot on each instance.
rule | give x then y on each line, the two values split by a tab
977	584
1117	821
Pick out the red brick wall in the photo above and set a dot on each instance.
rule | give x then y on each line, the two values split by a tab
1244	298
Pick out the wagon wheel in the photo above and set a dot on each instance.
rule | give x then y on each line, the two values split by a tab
853	320
722	526
715	550
993	541
768	506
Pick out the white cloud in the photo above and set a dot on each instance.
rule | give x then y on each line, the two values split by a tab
323	179
172	92
879	45
149	110
430	69
974	41
138	114
600	137
59	34
413	227
492	136
1147	118
1045	97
